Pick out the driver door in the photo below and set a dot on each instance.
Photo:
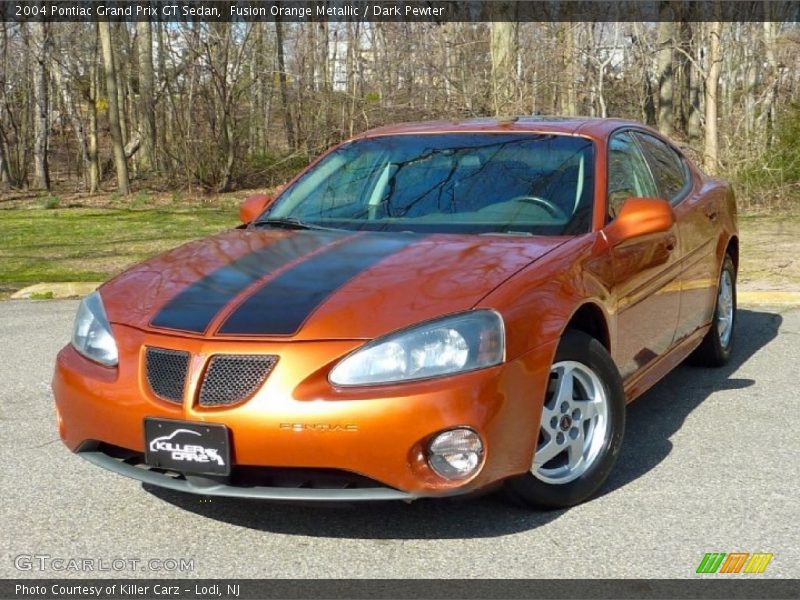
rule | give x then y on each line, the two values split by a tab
646	269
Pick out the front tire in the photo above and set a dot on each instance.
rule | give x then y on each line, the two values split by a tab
581	428
716	348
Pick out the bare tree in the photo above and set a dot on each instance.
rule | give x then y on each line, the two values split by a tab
91	98
62	79
664	73
224	106
147	109
503	51
765	123
711	144
41	43
568	75
5	171
287	112
692	84
118	146
601	55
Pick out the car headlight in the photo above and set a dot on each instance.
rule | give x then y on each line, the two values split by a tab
92	335
454	344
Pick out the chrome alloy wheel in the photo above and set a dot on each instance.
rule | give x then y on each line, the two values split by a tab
725	308
574	424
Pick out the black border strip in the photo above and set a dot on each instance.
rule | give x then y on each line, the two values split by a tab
194	308
285	302
417	11
250	589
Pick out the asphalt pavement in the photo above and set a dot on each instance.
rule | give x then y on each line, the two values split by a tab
710	464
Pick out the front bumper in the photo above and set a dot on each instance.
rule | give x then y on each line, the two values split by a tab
388	426
207	486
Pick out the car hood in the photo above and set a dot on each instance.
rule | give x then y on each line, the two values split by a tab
311	285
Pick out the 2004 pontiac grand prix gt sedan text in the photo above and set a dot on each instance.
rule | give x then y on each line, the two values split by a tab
428	310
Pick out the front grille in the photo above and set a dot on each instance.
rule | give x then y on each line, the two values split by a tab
232	378
166	372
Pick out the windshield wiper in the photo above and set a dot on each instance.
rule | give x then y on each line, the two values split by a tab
289	223
509	233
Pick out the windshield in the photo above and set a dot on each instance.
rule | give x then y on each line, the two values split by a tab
452	183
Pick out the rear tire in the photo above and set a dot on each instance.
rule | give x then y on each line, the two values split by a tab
716	348
581	428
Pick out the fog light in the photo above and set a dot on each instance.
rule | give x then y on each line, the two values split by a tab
455	454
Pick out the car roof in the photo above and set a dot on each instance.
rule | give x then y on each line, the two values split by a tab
593	127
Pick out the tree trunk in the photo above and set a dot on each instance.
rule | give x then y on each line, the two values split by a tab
751	70
601	73
693	123
5	171
287	113
5	175
648	105
230	155
147	109
94	162
118	146
255	142
711	146
220	61
503	57
61	77
327	84
164	115
765	121
567	94
664	74
116	32
353	48
42	119
683	72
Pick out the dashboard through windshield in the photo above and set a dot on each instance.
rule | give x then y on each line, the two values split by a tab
523	183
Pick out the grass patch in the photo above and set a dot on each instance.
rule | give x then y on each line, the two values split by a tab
51	202
42	296
93	244
141	200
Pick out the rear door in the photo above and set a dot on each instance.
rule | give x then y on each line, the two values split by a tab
698	227
646	269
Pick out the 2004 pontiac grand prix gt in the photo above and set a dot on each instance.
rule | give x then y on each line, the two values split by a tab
428	310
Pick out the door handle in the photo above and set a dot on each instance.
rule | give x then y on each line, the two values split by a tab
711	213
670	243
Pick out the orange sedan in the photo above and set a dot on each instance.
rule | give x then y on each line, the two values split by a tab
428	310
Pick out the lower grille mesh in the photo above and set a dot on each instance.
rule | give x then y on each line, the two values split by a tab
232	378
166	372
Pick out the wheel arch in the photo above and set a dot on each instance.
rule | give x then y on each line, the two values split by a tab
591	319
733	250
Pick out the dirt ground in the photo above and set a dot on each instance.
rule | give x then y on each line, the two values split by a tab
63	198
769	252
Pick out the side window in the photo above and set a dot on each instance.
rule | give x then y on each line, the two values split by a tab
628	174
667	166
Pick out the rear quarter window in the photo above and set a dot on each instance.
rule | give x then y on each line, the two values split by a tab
669	169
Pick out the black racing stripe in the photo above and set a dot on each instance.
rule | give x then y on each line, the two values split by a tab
194	308
284	303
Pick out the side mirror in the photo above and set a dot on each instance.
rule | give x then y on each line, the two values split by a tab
253	206
639	217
